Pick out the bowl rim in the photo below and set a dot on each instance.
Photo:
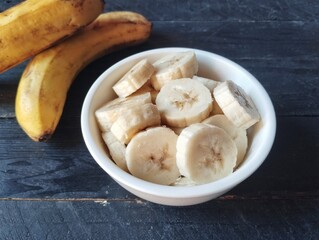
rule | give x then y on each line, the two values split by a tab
224	184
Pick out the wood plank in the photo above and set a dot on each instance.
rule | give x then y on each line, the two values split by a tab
286	64
246	10
7	99
234	219
63	167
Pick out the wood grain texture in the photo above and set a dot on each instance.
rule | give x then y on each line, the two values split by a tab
141	220
219	10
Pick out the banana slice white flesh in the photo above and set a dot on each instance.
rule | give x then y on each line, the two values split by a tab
134	78
107	114
216	108
174	66
209	83
236	104
239	135
147	87
184	101
135	119
116	149
177	130
151	156
205	153
183	181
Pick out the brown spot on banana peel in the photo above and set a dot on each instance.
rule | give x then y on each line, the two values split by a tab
45	136
77	4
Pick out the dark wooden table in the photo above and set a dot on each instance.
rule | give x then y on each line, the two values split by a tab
55	190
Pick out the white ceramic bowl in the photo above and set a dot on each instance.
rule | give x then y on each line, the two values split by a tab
261	136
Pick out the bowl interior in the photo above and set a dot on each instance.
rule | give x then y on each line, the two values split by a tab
213	66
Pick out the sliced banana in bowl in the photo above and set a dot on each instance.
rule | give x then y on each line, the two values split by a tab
205	153
209	155
151	156
174	66
239	135
184	101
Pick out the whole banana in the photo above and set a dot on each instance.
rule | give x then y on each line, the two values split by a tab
45	82
32	26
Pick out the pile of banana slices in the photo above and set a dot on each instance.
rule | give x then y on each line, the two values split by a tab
171	127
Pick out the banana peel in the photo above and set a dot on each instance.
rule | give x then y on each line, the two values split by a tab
32	26
44	84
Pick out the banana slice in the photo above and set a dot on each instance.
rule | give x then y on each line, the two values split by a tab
239	135
174	66
135	119
183	181
107	114
116	149
205	153
151	156
184	101
236	104
216	108
147	87
209	83
177	130
134	78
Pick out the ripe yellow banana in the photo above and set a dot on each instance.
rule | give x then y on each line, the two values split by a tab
44	84
32	26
